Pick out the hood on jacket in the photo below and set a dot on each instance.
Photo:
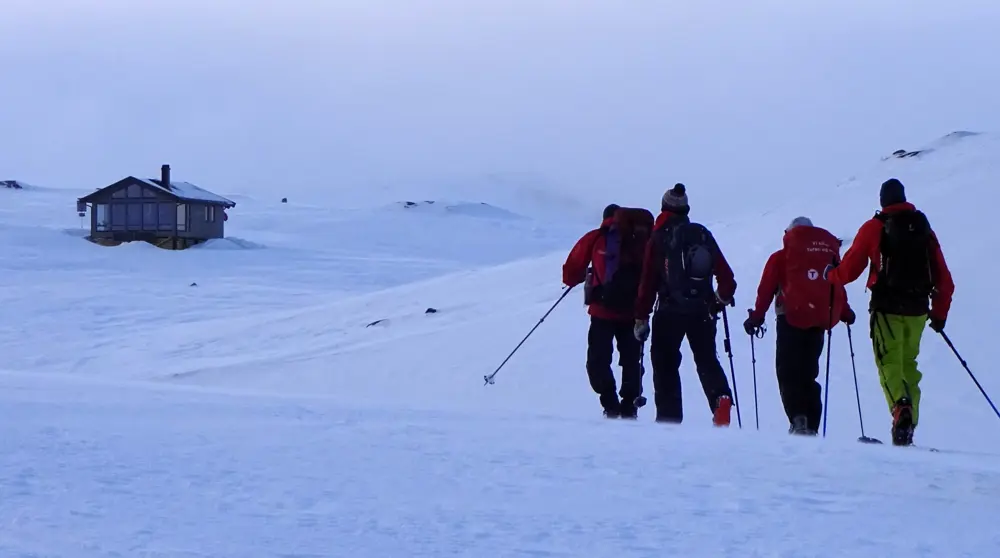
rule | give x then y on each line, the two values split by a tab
897	207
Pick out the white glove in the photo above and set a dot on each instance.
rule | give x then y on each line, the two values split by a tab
641	330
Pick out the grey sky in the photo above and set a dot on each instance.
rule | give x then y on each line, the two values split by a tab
358	95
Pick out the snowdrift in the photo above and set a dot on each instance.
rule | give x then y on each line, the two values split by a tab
438	361
293	383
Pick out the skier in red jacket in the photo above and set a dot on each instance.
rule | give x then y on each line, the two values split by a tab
910	283
609	260
680	262
792	276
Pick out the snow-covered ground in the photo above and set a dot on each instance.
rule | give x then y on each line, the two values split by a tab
285	392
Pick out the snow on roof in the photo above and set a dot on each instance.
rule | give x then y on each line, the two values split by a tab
188	191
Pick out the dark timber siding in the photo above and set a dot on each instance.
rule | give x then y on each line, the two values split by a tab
205	220
131	207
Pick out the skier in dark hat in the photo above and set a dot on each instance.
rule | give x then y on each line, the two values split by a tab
910	284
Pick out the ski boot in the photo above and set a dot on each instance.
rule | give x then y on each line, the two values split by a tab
612	406
800	426
630	410
902	423
721	416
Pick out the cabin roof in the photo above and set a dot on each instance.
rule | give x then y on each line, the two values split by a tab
184	191
188	191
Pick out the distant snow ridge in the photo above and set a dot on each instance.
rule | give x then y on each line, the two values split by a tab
944	141
465	209
17	185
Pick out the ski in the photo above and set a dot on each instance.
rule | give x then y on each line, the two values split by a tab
876	441
926	448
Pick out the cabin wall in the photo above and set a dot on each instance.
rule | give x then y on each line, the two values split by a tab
206	221
132	207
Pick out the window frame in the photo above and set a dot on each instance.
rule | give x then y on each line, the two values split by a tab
102	217
182	217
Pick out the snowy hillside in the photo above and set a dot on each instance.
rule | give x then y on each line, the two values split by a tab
286	392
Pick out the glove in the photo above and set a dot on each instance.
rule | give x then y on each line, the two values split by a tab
723	301
849	317
937	324
641	330
719	304
752	325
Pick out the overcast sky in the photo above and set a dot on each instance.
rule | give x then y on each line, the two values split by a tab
347	95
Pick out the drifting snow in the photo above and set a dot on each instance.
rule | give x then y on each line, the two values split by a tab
229	243
258	414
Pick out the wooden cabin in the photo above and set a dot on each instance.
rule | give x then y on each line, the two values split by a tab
162	211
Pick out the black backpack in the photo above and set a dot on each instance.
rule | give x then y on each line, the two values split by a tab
906	270
689	263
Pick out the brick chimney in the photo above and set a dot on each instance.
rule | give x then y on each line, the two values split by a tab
165	176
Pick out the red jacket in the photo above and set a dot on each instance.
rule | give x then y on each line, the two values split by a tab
770	287
652	263
865	251
589	249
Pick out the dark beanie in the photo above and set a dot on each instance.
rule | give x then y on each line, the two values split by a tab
675	200
609	211
892	192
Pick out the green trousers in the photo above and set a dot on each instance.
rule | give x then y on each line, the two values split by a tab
896	342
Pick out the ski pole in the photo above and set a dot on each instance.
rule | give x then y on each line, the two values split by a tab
829	342
489	378
640	400
753	362
732	368
973	376
857	392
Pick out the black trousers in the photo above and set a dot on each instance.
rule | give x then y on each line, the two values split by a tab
797	364
600	352
669	331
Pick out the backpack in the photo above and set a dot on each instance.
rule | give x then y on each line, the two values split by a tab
616	284
906	269
688	268
805	294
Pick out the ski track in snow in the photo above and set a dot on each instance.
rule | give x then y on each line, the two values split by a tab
211	475
258	414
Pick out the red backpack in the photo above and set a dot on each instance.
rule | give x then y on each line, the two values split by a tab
616	284
805	294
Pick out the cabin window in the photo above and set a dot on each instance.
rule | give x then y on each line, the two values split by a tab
181	217
134	215
167	213
101	217
149	216
210	213
147	193
134	191
119	193
118	216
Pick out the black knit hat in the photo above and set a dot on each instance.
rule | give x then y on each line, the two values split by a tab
892	192
609	211
675	200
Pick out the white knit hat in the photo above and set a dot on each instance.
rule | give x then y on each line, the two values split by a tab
799	222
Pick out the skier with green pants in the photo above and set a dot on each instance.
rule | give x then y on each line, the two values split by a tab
910	283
